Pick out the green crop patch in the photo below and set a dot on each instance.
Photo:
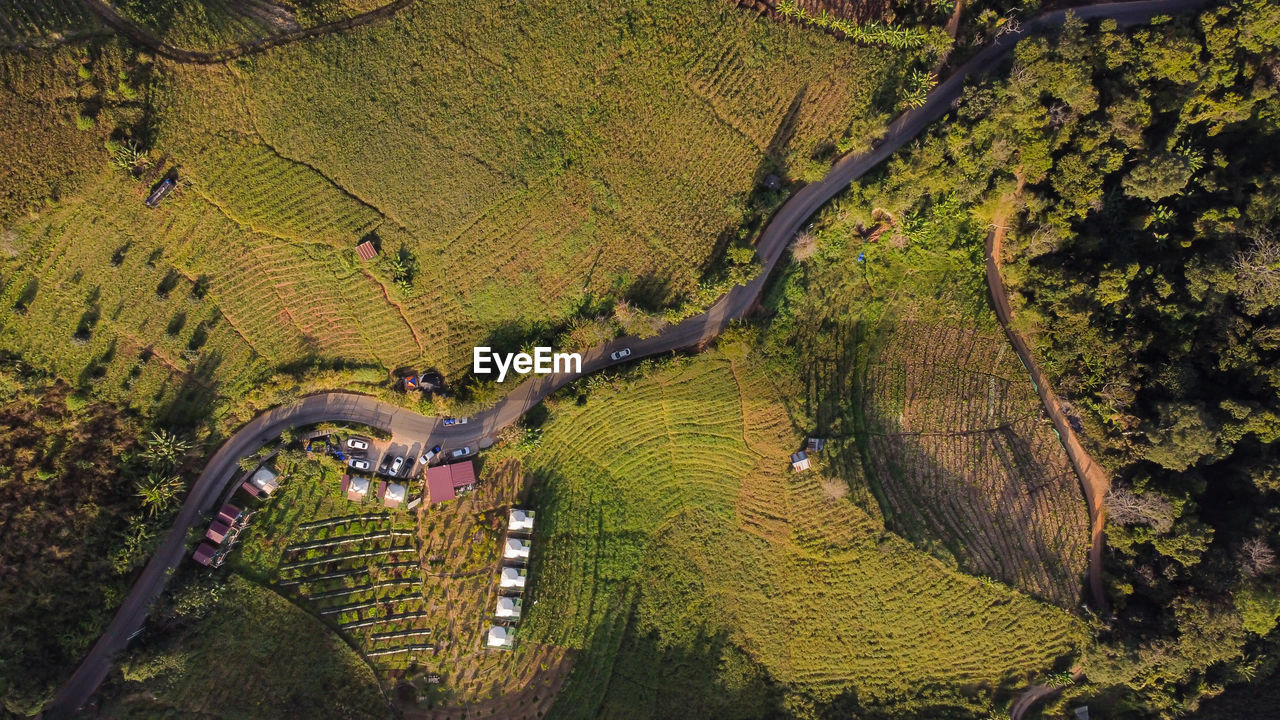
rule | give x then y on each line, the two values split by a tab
677	550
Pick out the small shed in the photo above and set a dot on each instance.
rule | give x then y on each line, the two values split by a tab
800	461
165	187
500	637
394	496
205	554
508	607
358	489
462	475
516	549
519	520
265	479
217	531
512	578
229	514
251	489
366	251
815	445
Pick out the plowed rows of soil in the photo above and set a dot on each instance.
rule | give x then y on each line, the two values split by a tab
966	464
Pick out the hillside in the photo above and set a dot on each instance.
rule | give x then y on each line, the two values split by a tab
682	553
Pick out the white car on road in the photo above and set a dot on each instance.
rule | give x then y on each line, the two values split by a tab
357	444
426	456
395	466
358	464
619	354
460	453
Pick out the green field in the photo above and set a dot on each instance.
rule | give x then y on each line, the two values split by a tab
679	553
607	153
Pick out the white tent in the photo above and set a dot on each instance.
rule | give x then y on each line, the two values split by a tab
500	637
508	607
395	495
520	520
516	549
265	480
358	488
512	577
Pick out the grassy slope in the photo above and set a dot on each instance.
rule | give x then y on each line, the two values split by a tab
253	655
527	155
935	422
680	554
603	151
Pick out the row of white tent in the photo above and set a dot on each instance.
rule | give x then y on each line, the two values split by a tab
511	578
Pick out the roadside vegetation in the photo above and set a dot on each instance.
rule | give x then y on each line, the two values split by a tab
1134	171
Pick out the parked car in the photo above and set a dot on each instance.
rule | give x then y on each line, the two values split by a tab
455	421
357	444
619	354
426	456
395	465
460	453
358	464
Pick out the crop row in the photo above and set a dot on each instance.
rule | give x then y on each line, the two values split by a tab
962	457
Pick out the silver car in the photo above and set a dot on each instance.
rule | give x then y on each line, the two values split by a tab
395	465
619	354
460	453
358	464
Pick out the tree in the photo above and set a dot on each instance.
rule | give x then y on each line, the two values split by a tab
1257	273
1158	177
1256	557
164	450
158	492
1127	507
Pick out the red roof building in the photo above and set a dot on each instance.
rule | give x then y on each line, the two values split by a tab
366	251
217	531
251	489
205	554
445	481
439	484
229	514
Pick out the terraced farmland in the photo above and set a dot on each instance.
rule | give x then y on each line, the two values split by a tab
962	454
678	540
605	147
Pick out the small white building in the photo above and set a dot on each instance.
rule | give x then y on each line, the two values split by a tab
520	520
500	637
508	608
358	489
395	495
265	480
517	549
512	578
800	461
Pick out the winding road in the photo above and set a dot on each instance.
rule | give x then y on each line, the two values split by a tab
692	333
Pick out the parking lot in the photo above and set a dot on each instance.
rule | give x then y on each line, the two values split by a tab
381	456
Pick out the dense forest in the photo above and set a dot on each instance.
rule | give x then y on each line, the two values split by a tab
1136	174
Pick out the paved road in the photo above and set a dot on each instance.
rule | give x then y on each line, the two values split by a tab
347	407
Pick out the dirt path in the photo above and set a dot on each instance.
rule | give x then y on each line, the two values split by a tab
692	333
1094	480
148	39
